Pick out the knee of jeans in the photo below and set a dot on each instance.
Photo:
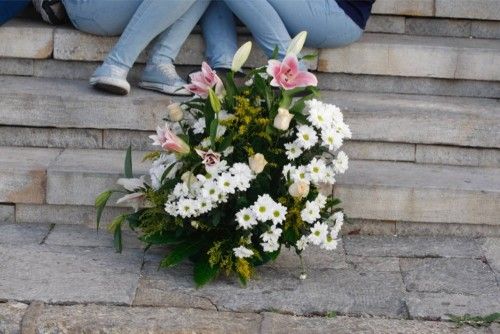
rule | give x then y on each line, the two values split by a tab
343	39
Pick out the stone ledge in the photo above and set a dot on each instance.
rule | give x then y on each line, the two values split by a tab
26	39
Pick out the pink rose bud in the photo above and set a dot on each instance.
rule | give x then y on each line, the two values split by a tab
209	158
282	119
169	141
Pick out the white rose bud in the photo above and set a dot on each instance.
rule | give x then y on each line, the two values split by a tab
282	120
175	112
257	163
299	189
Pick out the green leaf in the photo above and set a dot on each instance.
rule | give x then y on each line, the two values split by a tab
274	55
309	57
100	204
226	142
116	228
204	272
168	170
179	253
214	101
213	131
128	163
160	238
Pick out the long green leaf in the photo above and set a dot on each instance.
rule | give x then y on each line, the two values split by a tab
179	253
128	163
100	204
116	228
160	238
213	131
204	272
214	101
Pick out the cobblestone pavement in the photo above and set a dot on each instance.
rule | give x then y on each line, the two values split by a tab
68	279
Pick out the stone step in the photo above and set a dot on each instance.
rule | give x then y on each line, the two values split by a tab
415	119
378	54
376	190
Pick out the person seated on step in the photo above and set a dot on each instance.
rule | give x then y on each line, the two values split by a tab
138	22
11	8
329	24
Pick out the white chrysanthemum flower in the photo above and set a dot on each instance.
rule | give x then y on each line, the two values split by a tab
311	212
319	118
242	252
224	115
314	104
339	221
181	190
187	207
329	176
210	190
278	213
171	209
262	208
330	242
316	170
272	235
245	218
288	169
300	174
302	243
159	166
331	139
334	113
226	183
206	143
199	126
270	247
341	162
306	137
293	151
343	129
320	200
318	233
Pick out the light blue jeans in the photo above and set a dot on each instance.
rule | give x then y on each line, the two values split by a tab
273	23
138	22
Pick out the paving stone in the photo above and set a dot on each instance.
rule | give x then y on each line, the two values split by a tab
441	305
78	176
448	155
7	214
59	274
16	66
386	24
407	85
43	137
274	323
368	227
314	258
485	29
491	248
26	39
23	174
65	214
73	104
23	234
135	320
343	290
433	27
121	139
11	315
423	193
360	150
412	246
83	236
457	230
369	263
479	9
404	7
453	276
415	56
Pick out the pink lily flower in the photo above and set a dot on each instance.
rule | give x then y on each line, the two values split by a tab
287	75
169	141
202	81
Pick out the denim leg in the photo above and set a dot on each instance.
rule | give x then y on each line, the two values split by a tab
168	44
219	32
264	22
151	18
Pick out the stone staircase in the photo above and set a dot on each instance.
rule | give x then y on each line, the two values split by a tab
421	92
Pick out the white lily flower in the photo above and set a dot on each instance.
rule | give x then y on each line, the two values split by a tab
241	56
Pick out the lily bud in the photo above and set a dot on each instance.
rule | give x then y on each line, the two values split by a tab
175	112
297	43
241	56
299	189
257	163
282	119
188	178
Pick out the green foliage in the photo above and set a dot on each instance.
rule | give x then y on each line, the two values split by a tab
181	252
204	272
214	101
475	321
128	163
100	204
116	228
331	314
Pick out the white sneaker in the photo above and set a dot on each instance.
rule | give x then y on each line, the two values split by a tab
163	78
111	78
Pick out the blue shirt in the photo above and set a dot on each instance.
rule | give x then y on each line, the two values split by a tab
358	10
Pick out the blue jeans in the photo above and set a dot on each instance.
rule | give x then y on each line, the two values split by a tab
274	22
138	22
10	8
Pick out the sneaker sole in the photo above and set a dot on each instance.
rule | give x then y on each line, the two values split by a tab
166	89
118	87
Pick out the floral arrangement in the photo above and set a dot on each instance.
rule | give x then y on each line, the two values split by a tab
241	171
